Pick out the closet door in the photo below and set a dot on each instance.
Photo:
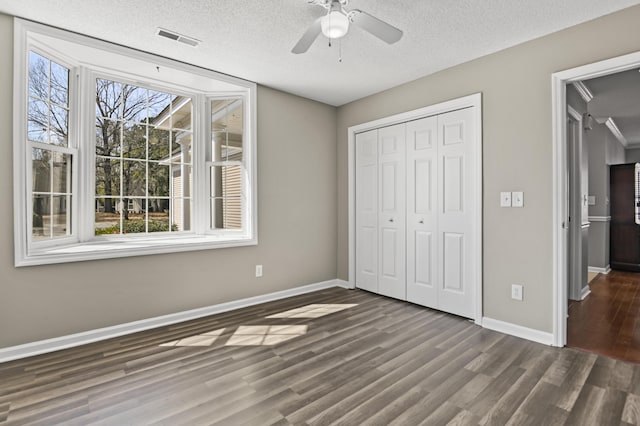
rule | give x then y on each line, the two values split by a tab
391	217
422	248
456	211
367	211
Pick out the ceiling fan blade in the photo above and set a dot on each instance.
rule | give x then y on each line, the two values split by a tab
375	26
308	37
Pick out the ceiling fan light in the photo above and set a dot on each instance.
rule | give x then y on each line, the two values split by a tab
335	24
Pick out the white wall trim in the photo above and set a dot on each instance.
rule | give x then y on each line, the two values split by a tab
344	284
63	342
583	90
599	218
613	128
518	331
585	292
474	100
559	80
599	270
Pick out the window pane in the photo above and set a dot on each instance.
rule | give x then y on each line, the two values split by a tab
158	144
226	195
61	173
41	170
58	126
38	76
108	137
107	176
134	215
227	124
61	221
181	113
134	144
181	214
226	181
108	99
41	217
227	213
134	180
59	84
144	176
159	209
107	216
48	98
181	180
159	109
38	121
158	180
232	210
135	103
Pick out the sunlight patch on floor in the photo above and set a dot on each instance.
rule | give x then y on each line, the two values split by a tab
204	339
313	311
265	335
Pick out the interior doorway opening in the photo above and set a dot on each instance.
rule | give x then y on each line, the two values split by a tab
578	222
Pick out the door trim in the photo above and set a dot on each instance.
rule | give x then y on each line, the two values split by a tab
474	100
559	80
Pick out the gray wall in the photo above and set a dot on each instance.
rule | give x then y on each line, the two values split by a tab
604	150
632	155
598	188
517	152
297	234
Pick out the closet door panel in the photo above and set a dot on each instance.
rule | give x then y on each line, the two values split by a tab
456	212
391	216
422	251
367	211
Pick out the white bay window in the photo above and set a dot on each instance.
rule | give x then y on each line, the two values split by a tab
120	153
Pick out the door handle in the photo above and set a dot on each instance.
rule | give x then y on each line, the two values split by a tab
391	220
421	221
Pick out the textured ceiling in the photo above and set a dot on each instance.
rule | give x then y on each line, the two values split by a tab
252	39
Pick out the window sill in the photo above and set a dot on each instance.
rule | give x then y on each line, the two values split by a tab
109	249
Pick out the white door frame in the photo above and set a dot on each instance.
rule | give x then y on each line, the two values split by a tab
559	80
574	247
474	100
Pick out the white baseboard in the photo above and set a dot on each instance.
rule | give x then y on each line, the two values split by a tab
605	270
518	331
344	284
63	342
585	292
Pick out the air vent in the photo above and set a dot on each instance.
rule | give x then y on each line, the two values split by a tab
178	37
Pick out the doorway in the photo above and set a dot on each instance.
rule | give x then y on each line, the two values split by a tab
569	199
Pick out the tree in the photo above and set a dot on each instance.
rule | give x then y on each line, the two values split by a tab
48	101
133	134
122	114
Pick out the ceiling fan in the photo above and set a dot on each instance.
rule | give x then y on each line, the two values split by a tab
335	24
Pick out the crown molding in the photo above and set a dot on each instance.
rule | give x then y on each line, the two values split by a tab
611	125
583	90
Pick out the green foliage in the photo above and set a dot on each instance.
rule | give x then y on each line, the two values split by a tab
137	227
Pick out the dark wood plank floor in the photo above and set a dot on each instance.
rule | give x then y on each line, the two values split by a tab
607	322
381	362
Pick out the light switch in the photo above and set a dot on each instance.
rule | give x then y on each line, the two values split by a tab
592	200
517	199
505	199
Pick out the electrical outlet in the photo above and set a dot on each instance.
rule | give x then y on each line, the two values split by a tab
516	292
258	271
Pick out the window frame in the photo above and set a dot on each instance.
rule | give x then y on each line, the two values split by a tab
83	244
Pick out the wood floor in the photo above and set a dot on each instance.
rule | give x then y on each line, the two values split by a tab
379	362
607	322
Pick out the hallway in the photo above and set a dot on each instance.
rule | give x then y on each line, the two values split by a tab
607	322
